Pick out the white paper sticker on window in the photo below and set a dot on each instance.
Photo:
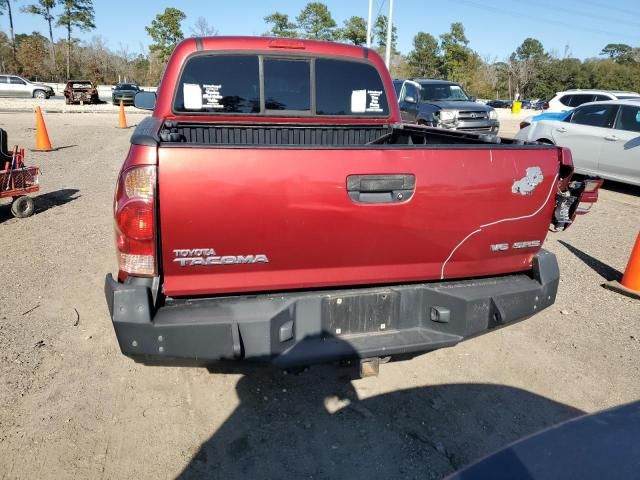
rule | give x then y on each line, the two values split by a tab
212	96
192	94
358	101
374	100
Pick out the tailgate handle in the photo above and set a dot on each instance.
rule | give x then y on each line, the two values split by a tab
381	188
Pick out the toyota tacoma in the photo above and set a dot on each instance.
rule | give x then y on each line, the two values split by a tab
274	207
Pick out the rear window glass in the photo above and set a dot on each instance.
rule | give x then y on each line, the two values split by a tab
349	88
287	84
577	100
232	84
566	100
220	83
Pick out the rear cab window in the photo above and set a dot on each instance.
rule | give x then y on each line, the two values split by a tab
287	84
279	85
219	84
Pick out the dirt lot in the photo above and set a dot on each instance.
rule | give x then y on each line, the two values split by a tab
71	406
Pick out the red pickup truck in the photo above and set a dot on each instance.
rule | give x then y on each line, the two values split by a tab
274	208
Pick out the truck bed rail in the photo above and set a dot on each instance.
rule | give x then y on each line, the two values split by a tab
203	134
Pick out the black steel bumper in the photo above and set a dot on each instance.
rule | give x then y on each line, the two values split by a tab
301	328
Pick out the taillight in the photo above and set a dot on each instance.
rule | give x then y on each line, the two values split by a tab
545	106
135	220
134	212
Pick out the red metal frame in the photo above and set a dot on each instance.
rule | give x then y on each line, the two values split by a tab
16	179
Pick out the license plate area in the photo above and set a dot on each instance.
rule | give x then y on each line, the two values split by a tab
359	313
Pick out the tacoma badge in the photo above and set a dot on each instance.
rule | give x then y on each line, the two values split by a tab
191	257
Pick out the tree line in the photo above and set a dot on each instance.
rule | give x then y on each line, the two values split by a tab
530	71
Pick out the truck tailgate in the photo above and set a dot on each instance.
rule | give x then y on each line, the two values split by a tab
256	219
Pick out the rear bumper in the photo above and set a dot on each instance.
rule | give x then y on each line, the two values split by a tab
301	328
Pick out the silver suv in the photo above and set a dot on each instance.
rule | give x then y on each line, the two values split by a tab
15	86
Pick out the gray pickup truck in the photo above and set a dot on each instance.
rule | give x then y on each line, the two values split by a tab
443	104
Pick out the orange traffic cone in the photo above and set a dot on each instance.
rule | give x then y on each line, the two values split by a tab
122	121
630	284
43	144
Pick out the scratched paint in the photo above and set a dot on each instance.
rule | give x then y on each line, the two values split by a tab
509	219
529	182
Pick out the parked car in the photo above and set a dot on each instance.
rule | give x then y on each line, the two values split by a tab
570	99
77	91
604	138
15	86
540	105
125	92
444	104
499	104
274	208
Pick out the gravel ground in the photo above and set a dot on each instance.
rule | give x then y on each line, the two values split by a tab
71	406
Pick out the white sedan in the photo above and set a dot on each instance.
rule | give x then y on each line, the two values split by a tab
604	138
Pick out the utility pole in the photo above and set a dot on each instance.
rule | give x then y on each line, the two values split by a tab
389	47
369	24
